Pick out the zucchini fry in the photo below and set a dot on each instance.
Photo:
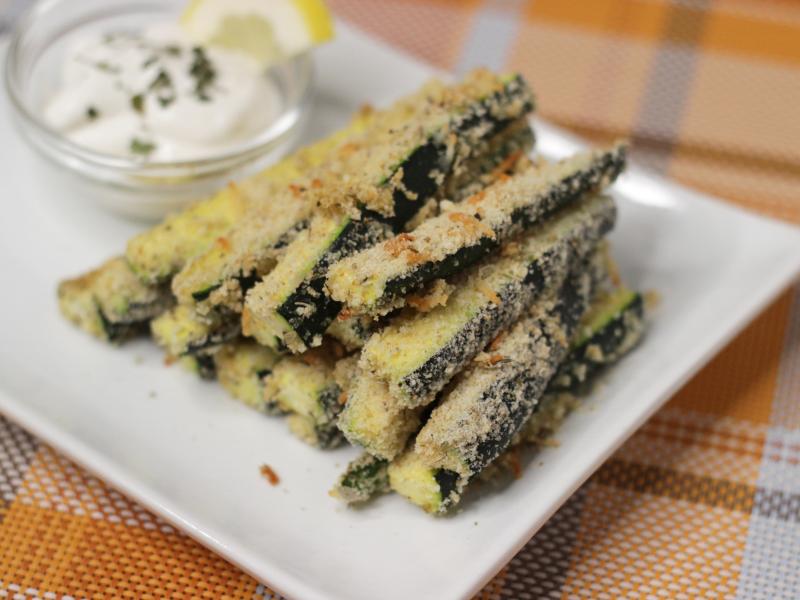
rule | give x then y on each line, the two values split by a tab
401	163
615	323
157	254
480	416
404	366
372	280
241	369
613	326
239	256
182	332
289	308
365	477
111	303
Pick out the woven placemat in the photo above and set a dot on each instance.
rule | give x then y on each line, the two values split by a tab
702	502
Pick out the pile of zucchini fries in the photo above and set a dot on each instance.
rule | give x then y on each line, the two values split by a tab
415	285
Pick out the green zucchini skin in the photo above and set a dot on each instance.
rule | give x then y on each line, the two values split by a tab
111	303
119	332
215	338
364	478
327	432
352	332
201	364
247	280
602	346
206	366
355	235
245	283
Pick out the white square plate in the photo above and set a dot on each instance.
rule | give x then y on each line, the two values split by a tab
190	454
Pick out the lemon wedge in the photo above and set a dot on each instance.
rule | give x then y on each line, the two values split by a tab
266	30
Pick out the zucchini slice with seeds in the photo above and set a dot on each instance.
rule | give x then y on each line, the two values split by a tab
111	303
294	312
373	279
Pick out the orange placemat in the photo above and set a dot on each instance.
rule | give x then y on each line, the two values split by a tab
704	501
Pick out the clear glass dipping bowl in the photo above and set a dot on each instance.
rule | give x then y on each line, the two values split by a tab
145	190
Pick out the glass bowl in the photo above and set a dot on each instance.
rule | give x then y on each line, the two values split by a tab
146	190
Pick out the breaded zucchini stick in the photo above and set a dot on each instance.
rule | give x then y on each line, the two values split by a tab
111	303
490	404
403	366
372	280
400	164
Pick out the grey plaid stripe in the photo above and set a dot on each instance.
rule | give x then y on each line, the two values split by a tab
17	449
540	569
668	85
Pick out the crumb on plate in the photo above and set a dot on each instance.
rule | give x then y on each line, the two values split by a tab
269	474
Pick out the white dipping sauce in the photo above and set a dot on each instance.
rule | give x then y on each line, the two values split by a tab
157	97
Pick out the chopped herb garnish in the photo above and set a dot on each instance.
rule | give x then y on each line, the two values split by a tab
137	102
107	67
162	84
141	147
162	81
165	101
203	72
150	62
172	50
92	113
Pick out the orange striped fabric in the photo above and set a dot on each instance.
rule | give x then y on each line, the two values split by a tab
703	501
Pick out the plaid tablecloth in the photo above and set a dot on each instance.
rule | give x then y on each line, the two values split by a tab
704	501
